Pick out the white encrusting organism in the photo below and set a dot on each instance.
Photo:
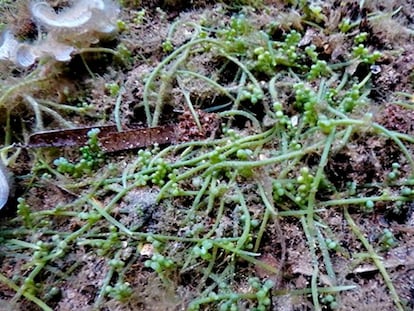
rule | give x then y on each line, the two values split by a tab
61	33
8	46
24	55
97	15
4	185
46	16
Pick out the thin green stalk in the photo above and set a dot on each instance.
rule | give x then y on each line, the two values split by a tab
208	180
41	304
363	200
38	115
375	258
62	121
246	228
208	271
19	87
244	68
248	256
97	50
312	248
97	206
157	71
394	137
255	122
213	83
219	215
8	130
263	226
306	291
236	103
22	291
88	69
326	257
190	106
105	282
59	106
309	226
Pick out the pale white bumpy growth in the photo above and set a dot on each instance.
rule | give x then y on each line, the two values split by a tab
97	15
25	56
19	53
4	186
75	16
79	25
8	46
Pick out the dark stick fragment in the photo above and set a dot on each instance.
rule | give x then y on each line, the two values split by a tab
66	137
111	140
138	138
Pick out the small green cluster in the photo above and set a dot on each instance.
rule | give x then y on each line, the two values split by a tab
277	53
24	211
266	62
123	54
387	240
304	180
167	46
203	251
91	216
289	46
252	93
325	124
121	25
104	245
310	51
407	192
91	158
352	98
395	172
332	245
229	300
262	293
330	301
234	36
361	52
279	189
161	173
113	89
42	251
319	69
156	171
216	156
159	263
346	25
361	38
139	17
369	206
121	291
145	156
30	286
279	115
306	101
312	11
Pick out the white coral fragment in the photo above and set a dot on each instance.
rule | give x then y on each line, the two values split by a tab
24	56
96	15
61	52
19	53
8	45
79	25
73	17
